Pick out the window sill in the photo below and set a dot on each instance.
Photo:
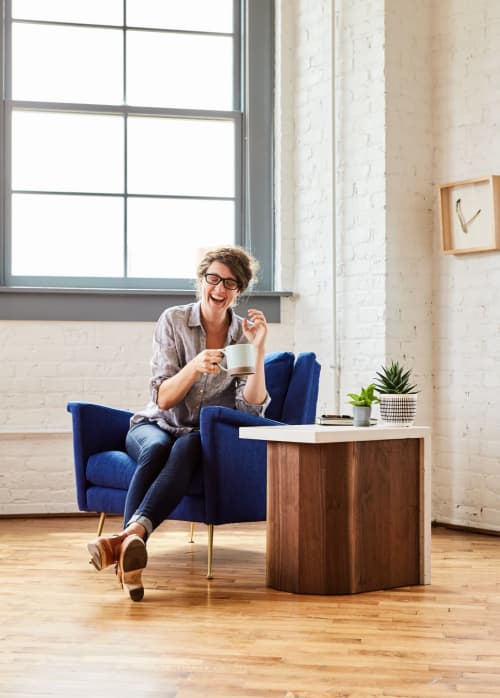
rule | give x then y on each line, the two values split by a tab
122	305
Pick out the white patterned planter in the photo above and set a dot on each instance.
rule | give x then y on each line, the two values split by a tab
398	410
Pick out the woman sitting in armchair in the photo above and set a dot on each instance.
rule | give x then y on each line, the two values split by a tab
164	438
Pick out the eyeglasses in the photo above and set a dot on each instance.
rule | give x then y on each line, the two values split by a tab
215	279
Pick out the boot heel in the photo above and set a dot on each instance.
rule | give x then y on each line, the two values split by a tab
133	560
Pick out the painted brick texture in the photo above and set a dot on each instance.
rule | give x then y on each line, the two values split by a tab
360	193
304	124
466	314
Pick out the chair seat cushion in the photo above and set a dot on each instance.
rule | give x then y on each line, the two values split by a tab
111	469
115	469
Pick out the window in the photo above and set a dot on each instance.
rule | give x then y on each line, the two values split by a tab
136	133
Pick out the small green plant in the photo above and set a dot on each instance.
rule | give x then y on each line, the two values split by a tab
366	397
394	379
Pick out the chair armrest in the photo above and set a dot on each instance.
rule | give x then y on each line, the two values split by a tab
96	428
234	470
102	428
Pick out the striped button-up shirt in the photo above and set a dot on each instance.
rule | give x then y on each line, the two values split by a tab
179	336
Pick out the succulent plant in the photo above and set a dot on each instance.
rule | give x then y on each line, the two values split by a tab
365	398
394	380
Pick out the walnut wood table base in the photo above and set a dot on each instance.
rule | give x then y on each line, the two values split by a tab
347	517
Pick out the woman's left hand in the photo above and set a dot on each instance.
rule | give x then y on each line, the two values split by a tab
255	328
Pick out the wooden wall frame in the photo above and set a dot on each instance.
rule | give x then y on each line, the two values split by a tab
469	214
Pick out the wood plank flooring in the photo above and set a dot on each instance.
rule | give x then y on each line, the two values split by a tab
67	630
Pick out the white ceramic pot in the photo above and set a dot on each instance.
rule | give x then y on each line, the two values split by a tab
398	410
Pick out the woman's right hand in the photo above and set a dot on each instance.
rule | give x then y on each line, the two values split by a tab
173	389
207	361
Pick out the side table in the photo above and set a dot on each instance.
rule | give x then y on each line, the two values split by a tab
348	508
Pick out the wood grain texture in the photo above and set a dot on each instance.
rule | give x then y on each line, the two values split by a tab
67	630
386	503
343	517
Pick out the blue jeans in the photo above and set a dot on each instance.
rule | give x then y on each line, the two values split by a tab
165	466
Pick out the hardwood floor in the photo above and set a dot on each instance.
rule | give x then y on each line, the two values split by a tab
67	630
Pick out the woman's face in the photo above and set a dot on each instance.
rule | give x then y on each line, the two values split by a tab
216	299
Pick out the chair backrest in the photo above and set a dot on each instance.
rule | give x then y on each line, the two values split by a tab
278	367
293	386
301	398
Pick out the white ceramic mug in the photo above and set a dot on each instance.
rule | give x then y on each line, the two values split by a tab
240	359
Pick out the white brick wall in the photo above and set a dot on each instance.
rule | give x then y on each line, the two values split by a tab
410	195
43	365
36	474
304	123
361	192
384	193
466	98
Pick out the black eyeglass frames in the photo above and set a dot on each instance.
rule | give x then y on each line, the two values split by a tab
215	279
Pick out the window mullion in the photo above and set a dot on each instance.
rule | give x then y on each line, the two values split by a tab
5	150
125	147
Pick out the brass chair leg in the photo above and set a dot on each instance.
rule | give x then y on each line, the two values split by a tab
191	532
100	525
210	550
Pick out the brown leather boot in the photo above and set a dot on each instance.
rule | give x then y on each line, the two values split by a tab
132	561
105	551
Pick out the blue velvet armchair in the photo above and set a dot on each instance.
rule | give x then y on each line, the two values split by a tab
231	484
